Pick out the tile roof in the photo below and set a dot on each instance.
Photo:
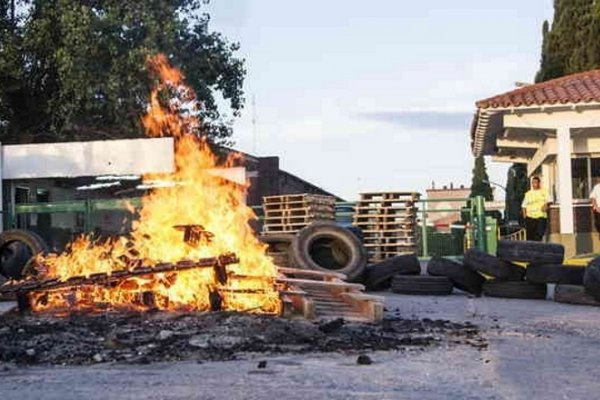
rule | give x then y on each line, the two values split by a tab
583	87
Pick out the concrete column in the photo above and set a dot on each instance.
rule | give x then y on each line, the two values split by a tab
547	179
565	183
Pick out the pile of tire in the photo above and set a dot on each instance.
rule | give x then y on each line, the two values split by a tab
320	246
589	293
391	272
545	265
520	269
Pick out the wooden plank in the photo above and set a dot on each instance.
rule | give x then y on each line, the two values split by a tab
398	203
392	230
388	239
383	208
383	214
323	284
311	273
367	305
384	226
299	304
389	195
299	198
407	243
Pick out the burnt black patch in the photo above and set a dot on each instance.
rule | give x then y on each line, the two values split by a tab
218	336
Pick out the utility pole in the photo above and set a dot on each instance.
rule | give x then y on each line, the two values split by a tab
12	12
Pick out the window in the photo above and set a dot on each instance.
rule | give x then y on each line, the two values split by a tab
580	178
595	170
585	173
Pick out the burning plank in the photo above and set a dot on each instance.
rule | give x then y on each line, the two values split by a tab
56	296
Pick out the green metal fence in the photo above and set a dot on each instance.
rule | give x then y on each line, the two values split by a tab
470	229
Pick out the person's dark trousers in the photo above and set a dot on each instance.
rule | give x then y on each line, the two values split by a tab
536	228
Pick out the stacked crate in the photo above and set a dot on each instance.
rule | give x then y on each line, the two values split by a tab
290	213
388	222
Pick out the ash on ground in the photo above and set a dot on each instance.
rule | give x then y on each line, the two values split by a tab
154	337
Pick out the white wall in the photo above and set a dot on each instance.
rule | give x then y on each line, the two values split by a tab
73	159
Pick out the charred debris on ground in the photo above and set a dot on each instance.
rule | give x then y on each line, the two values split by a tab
154	337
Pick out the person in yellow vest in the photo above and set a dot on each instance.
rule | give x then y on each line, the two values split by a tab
535	210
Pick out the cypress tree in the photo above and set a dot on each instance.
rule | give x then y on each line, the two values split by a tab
569	44
480	185
516	187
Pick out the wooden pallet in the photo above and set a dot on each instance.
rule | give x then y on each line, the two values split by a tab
324	295
388	221
296	219
385	211
293	212
300	199
384	196
288	214
388	239
295	206
385	227
375	220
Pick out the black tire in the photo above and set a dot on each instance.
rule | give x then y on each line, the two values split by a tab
485	263
357	232
531	252
591	278
422	285
461	277
514	290
17	247
574	294
555	273
325	246
378	276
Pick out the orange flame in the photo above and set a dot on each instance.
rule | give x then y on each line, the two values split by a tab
195	196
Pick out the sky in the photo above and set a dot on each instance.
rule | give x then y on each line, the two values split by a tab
359	96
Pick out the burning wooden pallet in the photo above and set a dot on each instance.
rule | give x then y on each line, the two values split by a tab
288	214
388	222
309	294
33	289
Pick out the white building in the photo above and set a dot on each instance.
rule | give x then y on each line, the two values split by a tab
554	128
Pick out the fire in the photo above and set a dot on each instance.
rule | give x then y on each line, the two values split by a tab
194	196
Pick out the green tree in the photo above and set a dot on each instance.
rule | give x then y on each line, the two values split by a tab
76	69
571	43
480	185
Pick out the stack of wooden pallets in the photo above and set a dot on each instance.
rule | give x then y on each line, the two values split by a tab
290	213
388	221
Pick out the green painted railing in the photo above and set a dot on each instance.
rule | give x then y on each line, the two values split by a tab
474	228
